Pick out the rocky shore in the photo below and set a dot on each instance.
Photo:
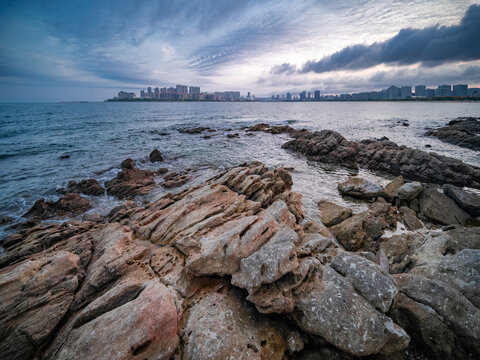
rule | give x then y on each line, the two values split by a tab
463	132
230	268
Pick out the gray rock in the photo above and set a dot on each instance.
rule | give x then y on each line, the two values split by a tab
410	191
468	201
361	188
391	188
332	309
441	209
368	279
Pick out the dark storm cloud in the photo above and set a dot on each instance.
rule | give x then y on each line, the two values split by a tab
430	46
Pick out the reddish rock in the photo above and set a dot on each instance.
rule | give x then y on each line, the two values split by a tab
67	205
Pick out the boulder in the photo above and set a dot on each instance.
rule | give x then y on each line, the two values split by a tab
67	205
409	191
468	201
87	187
332	214
410	218
392	187
439	208
155	156
361	188
130	181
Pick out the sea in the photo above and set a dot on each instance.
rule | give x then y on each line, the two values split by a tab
98	136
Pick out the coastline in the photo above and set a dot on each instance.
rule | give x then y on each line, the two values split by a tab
239	242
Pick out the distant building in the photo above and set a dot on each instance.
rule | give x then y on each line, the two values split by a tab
182	89
317	95
142	94
420	90
289	96
474	92
405	92
460	90
393	93
157	93
122	95
303	95
194	90
430	93
443	90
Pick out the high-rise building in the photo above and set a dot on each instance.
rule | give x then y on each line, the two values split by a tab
182	89
157	93
289	96
317	95
430	93
393	93
308	97
460	90
303	95
405	92
474	92
194	90
420	90
443	90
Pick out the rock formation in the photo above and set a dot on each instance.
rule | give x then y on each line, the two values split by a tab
463	132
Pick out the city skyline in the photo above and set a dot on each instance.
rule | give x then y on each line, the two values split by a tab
54	51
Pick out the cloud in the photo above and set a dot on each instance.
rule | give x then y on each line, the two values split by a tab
430	46
285	68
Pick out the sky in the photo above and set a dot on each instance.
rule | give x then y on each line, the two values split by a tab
90	50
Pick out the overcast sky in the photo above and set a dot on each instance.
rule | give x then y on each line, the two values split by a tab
89	50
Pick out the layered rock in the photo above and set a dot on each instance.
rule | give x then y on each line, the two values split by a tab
87	187
331	147
130	181
67	205
463	132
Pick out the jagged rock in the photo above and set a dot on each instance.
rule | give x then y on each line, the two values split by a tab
130	181
175	180
269	263
333	214
119	212
368	278
331	308
461	317
410	218
361	188
360	230
294	203
219	325
398	249
468	201
232	136
440	208
87	187
331	147
155	156
194	130
67	205
391	189
463	132
410	191
97	218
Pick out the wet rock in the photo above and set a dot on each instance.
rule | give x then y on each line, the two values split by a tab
128	164
391	189
258	127
155	156
130	181
410	218
87	187
231	136
468	201
333	214
463	132
409	191
361	188
5	220
439	208
66	156
67	205
194	130
331	147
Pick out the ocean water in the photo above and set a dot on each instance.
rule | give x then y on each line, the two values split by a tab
98	136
